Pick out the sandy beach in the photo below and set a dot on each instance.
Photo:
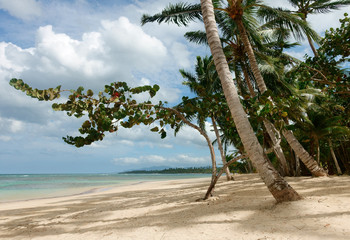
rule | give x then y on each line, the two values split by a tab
242	209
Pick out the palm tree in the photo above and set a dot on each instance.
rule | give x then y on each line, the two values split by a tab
237	59
240	11
319	124
278	187
205	85
306	7
236	11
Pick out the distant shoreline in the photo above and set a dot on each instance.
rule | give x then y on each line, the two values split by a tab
190	170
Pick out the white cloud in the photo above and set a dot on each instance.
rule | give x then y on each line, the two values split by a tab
148	160
181	55
189	135
16	126
132	46
141	136
59	53
5	138
112	53
22	9
194	160
13	58
322	22
127	143
301	53
10	125
126	160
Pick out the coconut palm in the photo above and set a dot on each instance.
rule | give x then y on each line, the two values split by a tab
205	84
278	187
238	62
306	7
236	11
319	124
240	11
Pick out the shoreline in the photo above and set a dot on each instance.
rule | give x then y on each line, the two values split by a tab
240	209
17	196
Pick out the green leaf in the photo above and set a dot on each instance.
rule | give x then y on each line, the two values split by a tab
163	134
155	129
80	89
156	87
89	93
86	124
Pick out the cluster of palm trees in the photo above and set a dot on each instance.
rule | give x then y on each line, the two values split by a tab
250	46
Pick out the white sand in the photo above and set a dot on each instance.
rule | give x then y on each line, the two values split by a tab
243	209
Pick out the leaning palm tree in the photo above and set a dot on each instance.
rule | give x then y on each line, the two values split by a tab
304	8
240	11
278	187
236	10
238	62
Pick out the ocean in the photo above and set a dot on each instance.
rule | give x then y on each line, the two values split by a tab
17	187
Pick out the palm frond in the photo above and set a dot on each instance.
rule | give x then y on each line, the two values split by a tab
326	6
294	3
179	13
284	18
198	37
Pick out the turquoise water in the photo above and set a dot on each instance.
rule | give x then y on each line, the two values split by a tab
32	186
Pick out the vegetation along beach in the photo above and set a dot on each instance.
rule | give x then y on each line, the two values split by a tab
205	119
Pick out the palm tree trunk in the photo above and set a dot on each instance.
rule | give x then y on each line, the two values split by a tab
229	177
250	166
249	83
305	157
334	157
312	46
203	133
318	156
215	180
311	43
297	166
271	130
262	88
278	187
249	50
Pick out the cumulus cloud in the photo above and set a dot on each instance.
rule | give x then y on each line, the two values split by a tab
181	54
130	43
9	127
189	135
5	138
22	9
117	47
142	136
113	53
158	160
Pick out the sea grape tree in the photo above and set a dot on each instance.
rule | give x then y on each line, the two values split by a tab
106	111
116	107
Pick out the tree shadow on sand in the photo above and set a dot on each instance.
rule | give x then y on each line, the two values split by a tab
244	204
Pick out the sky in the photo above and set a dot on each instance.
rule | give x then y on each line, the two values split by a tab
91	43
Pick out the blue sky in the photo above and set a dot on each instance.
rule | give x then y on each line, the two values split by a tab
90	43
